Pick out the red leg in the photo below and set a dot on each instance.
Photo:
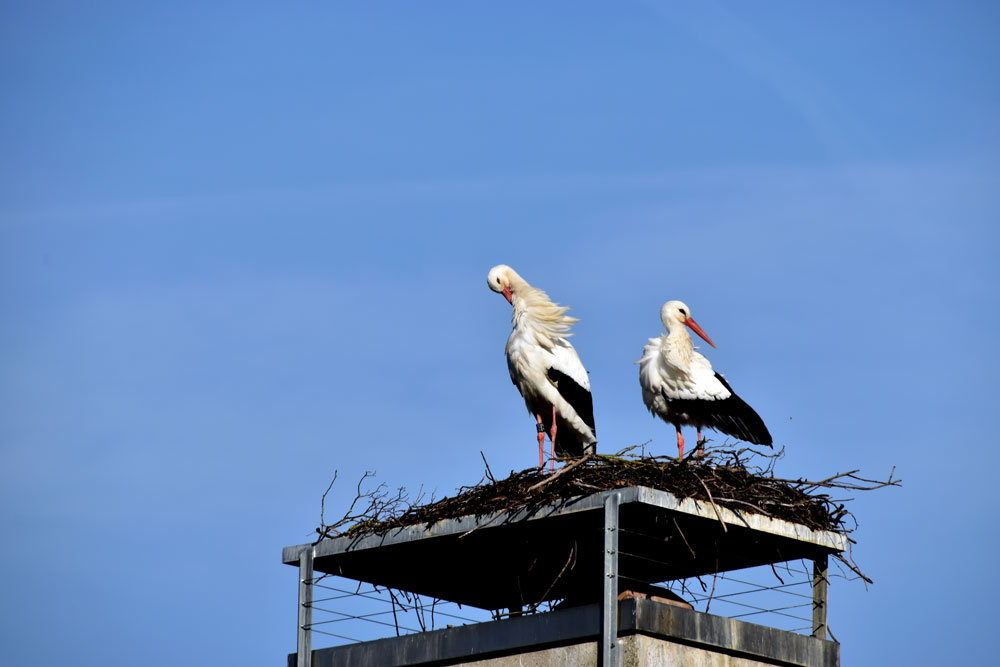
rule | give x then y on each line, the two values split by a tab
541	442
552	439
701	449
680	443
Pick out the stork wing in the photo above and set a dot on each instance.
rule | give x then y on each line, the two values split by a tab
730	415
569	376
578	397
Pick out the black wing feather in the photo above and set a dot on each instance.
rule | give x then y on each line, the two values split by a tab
575	395
582	402
732	416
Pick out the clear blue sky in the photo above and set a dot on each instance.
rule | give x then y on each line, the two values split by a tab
243	245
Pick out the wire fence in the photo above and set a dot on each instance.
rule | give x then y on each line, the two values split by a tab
345	611
778	595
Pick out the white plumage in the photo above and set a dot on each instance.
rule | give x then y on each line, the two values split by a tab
680	387
545	368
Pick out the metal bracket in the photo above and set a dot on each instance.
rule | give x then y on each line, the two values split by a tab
304	646
820	582
610	648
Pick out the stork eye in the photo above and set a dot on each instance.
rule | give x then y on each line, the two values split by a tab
498	280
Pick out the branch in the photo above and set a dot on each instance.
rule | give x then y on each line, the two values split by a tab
489	473
565	469
714	506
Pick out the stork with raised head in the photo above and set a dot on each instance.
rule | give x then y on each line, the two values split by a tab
545	368
680	387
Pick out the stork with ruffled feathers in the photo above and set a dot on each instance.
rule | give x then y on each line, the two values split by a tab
545	368
680	387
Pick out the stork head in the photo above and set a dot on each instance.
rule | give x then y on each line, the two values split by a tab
500	278
676	313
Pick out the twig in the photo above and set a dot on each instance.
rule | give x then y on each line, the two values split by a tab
565	469
489	473
681	533
641	446
715	575
714	506
322	502
572	557
395	620
584	485
852	568
723	499
483	525
826	481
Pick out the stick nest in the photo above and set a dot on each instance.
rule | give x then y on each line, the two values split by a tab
723	477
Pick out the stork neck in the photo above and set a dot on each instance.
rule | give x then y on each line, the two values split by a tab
533	311
525	317
521	316
680	341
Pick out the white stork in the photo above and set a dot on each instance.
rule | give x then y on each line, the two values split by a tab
680	387
545	368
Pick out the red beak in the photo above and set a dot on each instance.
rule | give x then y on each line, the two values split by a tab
697	329
507	293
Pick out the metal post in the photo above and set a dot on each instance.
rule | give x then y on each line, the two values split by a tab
820	582
609	608
304	645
